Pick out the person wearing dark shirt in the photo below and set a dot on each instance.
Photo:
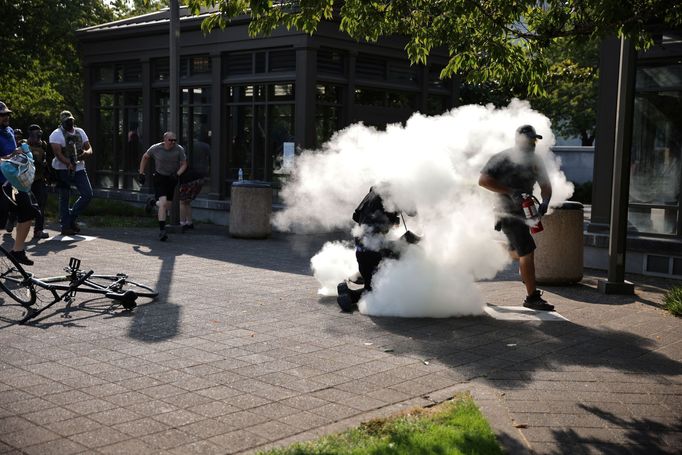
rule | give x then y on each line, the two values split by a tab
510	174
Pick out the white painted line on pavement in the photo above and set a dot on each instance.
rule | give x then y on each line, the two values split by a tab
519	313
71	238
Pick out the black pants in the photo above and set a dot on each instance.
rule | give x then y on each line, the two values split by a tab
39	191
368	261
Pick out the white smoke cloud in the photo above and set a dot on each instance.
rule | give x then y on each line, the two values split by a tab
433	165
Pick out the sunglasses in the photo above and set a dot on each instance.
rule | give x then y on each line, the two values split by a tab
172	140
5	114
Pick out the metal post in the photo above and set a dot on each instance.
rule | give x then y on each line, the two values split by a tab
616	284
174	114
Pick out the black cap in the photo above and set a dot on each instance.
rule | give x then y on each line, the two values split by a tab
529	131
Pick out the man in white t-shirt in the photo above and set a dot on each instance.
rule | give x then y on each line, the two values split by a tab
71	145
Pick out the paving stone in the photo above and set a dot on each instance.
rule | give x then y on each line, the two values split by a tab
141	427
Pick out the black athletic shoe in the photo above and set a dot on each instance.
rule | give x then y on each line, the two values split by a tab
536	302
21	258
346	304
163	236
342	288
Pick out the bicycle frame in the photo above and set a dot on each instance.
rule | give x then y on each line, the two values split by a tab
80	281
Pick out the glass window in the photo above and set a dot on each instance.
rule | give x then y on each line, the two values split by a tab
328	93
370	97
403	73
370	67
656	170
659	77
238	64
161	69
261	120
104	73
436	104
280	61
282	92
331	61
119	139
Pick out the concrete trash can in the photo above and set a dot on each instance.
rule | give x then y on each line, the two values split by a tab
250	209
559	256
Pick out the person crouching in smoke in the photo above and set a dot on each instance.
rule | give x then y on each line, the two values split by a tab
371	243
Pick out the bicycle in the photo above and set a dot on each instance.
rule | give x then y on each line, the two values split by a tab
21	285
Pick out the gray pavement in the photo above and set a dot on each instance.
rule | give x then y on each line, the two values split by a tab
239	353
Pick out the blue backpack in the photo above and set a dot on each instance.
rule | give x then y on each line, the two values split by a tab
19	171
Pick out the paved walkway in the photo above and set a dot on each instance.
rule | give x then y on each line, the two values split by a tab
239	353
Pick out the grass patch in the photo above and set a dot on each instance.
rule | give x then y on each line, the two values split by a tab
672	301
453	427
104	213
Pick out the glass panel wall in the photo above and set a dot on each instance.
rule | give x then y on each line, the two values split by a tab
195	129
328	114
260	120
119	132
656	166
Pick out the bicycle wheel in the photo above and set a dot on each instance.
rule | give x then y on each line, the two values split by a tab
121	284
15	281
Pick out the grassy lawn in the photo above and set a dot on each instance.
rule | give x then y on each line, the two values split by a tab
453	427
105	213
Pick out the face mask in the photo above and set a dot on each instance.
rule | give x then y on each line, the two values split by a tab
68	124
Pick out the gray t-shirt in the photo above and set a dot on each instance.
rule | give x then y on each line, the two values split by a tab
519	171
167	162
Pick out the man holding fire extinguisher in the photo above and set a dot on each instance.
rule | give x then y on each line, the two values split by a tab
512	174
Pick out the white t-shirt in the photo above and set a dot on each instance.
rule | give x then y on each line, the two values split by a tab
57	137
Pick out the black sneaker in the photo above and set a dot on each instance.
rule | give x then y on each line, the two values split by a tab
354	294
536	302
163	236
346	304
21	258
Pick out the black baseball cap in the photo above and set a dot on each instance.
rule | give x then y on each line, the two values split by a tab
529	131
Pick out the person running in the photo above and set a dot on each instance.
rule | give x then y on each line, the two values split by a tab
170	162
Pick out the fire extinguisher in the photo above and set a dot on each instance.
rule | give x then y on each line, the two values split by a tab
531	212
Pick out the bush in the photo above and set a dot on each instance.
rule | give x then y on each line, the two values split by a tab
672	301
582	193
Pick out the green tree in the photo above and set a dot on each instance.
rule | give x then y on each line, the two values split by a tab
501	42
41	70
570	91
129	8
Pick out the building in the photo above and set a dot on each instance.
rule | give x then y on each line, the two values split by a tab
654	240
245	102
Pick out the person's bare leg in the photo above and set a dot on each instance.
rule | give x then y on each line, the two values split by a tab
163	202
22	232
186	212
527	270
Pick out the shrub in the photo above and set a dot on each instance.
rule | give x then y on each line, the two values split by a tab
672	301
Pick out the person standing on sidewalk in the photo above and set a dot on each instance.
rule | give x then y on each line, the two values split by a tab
12	200
71	146
39	148
170	162
510	174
